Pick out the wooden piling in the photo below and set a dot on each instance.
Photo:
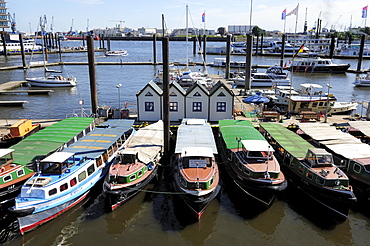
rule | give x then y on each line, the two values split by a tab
154	49
360	55
22	51
248	63
4	44
92	73
228	52
166	99
204	47
282	51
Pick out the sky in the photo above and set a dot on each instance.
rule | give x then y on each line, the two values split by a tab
79	15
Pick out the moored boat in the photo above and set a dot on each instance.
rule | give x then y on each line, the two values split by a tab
12	176
317	65
18	131
311	170
65	178
362	80
116	53
262	80
19	165
350	154
250	161
195	173
52	81
135	166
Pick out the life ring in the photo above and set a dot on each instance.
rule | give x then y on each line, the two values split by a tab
124	114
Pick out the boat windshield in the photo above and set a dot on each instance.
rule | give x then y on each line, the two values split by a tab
128	158
197	162
324	160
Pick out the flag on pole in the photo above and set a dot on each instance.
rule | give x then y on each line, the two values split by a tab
283	15
293	12
364	12
204	17
301	49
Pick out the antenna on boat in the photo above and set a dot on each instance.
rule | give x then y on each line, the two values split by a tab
187	34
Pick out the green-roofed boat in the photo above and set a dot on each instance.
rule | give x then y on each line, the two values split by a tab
251	163
17	165
310	169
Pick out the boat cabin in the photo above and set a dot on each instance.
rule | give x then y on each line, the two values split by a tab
256	149
6	157
128	156
317	157
196	157
57	163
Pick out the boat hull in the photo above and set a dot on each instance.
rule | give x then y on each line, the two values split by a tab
321	69
48	83
337	203
117	197
31	221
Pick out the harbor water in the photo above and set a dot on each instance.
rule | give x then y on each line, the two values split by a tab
151	218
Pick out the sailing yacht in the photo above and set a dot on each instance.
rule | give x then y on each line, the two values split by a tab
51	78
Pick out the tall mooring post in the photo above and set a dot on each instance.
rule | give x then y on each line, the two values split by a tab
228	52
92	73
248	63
166	99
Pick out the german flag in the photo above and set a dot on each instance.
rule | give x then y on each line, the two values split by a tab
299	51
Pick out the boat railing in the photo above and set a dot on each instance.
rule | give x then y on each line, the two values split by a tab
82	112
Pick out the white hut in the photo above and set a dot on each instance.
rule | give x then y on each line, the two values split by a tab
221	102
149	102
196	101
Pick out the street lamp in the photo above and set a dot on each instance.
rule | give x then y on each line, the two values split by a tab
327	103
119	95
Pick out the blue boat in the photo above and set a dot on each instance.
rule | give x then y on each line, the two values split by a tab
63	179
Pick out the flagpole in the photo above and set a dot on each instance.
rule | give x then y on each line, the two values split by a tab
295	29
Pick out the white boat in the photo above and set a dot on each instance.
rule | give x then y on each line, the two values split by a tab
221	62
188	78
262	80
14	46
362	80
52	80
116	53
310	97
64	178
317	65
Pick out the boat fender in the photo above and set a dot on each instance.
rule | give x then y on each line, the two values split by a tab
150	166
2	169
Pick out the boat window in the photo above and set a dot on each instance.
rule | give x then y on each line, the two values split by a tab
81	176
301	169
140	173
7	178
20	173
357	168
51	168
320	180
309	175
255	154
52	191
246	171
324	160
128	159
99	161
121	180
73	182
304	104
63	187
321	104
132	177
90	169
314	104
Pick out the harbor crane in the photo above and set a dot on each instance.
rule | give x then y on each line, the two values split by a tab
13	24
120	22
332	29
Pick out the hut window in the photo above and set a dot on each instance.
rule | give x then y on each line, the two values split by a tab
221	107
149	106
52	191
197	107
174	106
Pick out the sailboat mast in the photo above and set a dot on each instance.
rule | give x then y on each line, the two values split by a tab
187	33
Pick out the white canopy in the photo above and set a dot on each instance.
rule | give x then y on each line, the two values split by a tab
5	151
58	157
363	126
257	145
197	151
